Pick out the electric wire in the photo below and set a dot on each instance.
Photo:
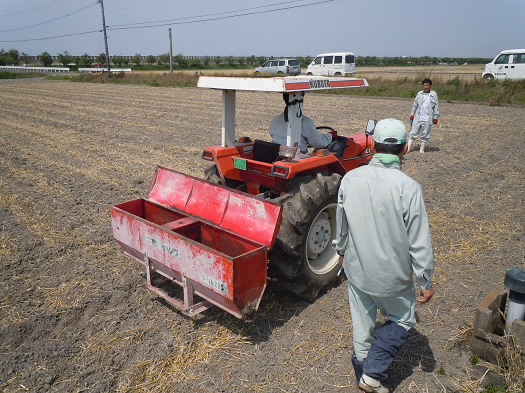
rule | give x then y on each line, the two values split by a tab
51	20
204	18
40	8
222	17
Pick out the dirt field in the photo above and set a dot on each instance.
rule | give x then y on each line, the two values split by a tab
73	314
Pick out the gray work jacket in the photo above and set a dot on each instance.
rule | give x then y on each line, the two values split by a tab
309	135
382	229
433	110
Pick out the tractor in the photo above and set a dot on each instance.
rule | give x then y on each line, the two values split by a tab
259	202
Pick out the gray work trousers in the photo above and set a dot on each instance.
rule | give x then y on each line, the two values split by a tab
400	309
423	128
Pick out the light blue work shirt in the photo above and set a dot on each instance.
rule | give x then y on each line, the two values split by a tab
382	229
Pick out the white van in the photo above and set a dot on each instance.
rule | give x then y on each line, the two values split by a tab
332	64
509	64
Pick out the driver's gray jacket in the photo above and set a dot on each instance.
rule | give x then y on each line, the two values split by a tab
309	135
382	230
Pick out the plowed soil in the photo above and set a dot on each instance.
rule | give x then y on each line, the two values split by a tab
75	318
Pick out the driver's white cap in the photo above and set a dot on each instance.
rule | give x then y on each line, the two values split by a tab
390	132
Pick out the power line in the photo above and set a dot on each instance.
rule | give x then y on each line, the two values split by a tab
58	36
222	17
204	18
40	8
51	20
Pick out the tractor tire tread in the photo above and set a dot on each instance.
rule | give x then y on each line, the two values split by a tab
288	256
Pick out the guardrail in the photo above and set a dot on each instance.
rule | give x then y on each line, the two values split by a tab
36	69
99	70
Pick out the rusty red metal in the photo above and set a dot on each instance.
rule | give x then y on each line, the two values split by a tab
209	239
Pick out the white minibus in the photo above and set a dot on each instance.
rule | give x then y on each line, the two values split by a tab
332	64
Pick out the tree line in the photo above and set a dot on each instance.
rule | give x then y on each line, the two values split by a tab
14	57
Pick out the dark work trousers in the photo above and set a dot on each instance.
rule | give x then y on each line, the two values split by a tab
388	339
385	346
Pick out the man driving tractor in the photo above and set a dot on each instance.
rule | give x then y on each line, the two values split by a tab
309	135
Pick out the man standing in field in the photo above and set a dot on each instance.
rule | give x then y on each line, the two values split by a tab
425	112
383	239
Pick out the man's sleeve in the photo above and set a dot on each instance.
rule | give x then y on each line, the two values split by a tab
341	238
436	108
414	107
278	131
420	244
314	137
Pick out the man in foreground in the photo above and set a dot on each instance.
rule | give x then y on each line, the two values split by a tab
383	238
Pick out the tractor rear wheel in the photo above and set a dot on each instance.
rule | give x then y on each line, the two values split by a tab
303	256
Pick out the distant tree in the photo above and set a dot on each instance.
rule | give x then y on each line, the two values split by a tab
230	60
9	57
217	60
118	60
304	61
241	61
206	60
261	60
46	59
151	59
195	63
76	60
136	59
164	59
3	57
251	60
125	61
65	58
14	55
181	60
25	58
101	58
85	60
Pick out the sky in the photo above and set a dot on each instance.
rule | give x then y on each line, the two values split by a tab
270	28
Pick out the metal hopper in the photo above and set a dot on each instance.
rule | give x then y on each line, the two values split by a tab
209	239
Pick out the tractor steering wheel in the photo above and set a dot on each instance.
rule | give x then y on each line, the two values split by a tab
325	128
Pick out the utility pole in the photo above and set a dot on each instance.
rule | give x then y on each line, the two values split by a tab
105	37
171	54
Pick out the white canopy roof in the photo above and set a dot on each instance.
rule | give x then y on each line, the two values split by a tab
285	84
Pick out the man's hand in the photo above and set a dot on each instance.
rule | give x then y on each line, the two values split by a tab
340	263
435	121
334	134
426	295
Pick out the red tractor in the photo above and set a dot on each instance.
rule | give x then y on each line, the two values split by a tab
266	196
305	185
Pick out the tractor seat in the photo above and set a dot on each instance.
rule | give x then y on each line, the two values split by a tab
265	151
338	146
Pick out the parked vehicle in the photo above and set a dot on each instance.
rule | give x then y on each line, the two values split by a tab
332	64
279	66
258	201
509	64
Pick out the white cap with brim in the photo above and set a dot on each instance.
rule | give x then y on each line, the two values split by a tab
390	132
